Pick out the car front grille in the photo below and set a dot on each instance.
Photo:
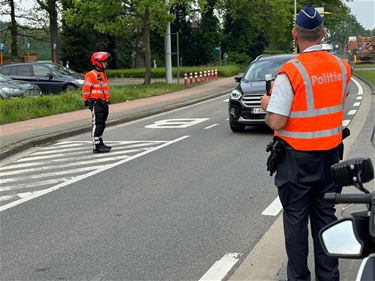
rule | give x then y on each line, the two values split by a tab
252	100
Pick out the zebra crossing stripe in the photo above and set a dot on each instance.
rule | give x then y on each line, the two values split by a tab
81	177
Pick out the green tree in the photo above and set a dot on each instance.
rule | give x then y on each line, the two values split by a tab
121	17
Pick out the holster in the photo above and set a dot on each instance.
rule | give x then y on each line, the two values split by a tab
340	147
277	151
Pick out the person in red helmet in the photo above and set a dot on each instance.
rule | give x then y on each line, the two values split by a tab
96	96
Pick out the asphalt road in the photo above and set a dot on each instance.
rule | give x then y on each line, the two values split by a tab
178	192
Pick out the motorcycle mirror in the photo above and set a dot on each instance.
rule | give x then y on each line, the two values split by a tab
339	239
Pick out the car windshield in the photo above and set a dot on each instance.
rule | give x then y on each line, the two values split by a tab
62	69
258	69
4	78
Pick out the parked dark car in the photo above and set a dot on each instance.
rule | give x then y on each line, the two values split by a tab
14	89
244	101
50	77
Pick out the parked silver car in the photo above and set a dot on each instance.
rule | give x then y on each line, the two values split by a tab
13	89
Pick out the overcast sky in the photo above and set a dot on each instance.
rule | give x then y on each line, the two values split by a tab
364	11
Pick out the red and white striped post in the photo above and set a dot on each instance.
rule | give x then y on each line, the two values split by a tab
205	75
209	74
191	78
200	77
196	77
185	79
216	74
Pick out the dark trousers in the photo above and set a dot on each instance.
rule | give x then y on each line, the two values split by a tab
302	179
99	112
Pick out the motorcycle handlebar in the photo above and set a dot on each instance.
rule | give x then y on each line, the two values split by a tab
338	198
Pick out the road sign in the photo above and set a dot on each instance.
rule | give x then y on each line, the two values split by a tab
28	46
2	46
217	48
54	46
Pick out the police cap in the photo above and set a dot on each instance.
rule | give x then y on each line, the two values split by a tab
309	18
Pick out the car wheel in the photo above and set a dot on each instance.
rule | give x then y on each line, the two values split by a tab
70	87
235	126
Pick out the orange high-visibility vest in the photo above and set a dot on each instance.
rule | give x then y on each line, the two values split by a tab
95	86
320	84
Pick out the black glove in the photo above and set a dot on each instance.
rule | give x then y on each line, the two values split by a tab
89	103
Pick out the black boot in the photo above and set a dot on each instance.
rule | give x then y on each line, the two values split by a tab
101	148
102	143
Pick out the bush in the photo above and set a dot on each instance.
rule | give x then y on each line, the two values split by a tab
239	58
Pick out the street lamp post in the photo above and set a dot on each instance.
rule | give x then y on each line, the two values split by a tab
294	24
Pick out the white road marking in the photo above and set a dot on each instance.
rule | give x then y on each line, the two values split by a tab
53	154
177	123
221	268
360	91
63	166
72	159
226	100
53	174
359	97
357	103
274	208
76	179
34	184
211	126
345	123
352	112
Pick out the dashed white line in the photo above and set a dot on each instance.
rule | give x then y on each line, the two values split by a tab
211	126
352	112
345	123
356	104
221	268
359	97
274	208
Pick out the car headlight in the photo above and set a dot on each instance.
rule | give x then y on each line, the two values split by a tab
235	94
79	81
11	91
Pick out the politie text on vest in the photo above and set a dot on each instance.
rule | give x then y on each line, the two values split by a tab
326	78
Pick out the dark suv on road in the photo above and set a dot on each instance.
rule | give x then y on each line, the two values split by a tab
50	77
244	101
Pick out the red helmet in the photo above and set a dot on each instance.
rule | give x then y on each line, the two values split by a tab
98	58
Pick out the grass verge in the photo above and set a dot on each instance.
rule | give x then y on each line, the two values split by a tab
14	110
369	75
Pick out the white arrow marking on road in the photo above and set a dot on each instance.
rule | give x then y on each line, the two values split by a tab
274	208
221	268
76	179
178	123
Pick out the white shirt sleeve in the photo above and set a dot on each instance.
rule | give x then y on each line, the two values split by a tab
282	96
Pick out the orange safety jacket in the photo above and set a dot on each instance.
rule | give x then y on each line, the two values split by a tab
320	83
95	86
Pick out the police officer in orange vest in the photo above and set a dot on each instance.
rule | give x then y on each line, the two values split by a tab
96	95
305	110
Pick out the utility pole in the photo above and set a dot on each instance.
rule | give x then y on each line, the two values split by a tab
168	52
